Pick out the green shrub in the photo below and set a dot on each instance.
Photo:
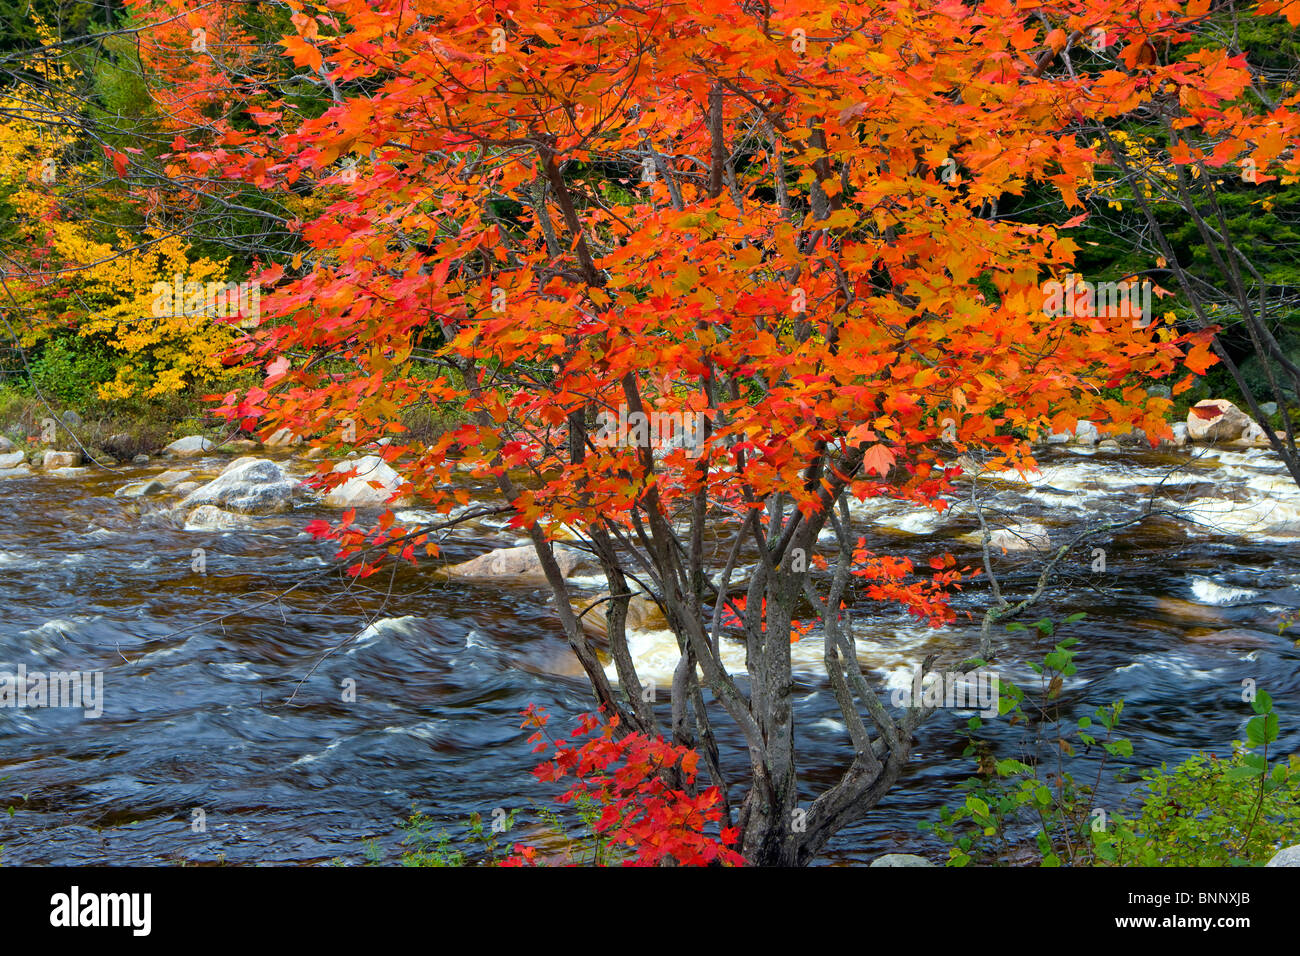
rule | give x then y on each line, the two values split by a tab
1215	812
71	368
1206	812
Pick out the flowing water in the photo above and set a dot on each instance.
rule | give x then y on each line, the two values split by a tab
199	658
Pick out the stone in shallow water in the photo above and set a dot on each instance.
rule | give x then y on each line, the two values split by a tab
1226	422
212	518
643	614
138	489
358	491
61	459
248	486
12	459
170	479
901	859
1233	637
1023	537
514	564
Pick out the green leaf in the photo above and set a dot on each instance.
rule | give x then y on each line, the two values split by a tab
1237	774
1261	730
1120	748
1263	703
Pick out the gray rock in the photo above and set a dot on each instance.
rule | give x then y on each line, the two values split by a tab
1108	444
1179	438
140	460
185	487
359	490
22	471
1086	433
170	478
1160	391
190	445
248	486
68	471
138	489
1268	408
5	444
12	460
901	859
212	518
1287	856
237	464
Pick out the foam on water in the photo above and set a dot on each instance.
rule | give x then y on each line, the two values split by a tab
378	630
655	653
1207	591
1269	518
424	730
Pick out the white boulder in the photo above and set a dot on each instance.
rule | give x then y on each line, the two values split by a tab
1217	420
373	485
248	486
190	445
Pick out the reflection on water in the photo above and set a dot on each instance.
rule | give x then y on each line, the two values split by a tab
196	718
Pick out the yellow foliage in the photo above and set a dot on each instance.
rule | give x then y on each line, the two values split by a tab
65	271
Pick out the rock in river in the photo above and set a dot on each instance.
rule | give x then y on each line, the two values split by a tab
360	491
212	518
249	486
60	459
517	565
1022	537
138	489
1228	422
900	859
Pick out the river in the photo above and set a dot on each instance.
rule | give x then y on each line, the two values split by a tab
195	714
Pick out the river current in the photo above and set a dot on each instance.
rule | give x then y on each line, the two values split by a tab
200	756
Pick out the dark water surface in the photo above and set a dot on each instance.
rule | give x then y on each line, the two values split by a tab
195	713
